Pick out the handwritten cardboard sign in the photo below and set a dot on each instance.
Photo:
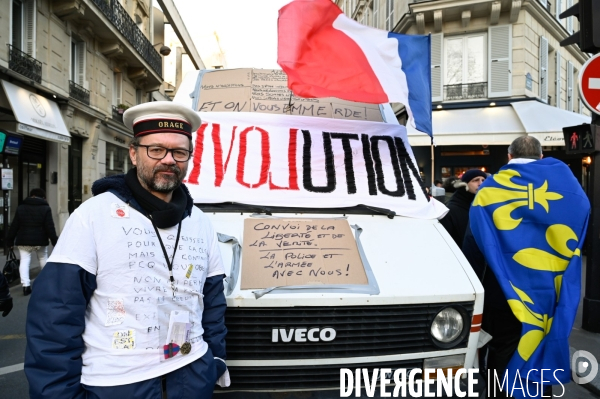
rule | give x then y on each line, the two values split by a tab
284	252
266	91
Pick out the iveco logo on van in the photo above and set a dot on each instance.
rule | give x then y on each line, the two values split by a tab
303	334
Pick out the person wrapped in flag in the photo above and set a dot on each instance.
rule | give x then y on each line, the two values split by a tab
527	227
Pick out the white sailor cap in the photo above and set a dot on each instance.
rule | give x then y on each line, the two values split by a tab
161	117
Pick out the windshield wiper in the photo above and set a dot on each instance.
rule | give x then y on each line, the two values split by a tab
382	211
255	208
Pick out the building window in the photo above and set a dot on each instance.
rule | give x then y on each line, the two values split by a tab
465	59
139	96
543	68
78	62
117	88
23	26
365	17
389	14
376	13
117	160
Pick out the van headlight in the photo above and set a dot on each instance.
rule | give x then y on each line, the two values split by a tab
448	327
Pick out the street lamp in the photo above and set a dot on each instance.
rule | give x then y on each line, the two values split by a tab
164	50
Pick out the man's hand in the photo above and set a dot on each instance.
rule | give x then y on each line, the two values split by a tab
6	306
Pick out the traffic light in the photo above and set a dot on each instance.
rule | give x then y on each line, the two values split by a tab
582	139
588	37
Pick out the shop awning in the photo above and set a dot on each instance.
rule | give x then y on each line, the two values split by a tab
498	125
35	115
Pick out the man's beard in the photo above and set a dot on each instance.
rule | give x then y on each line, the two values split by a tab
161	183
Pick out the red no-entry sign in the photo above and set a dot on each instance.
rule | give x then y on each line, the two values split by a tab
589	84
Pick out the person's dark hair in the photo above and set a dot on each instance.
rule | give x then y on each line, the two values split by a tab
136	142
449	184
37	192
438	181
525	147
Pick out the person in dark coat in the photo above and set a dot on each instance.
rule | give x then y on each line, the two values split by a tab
457	220
448	186
6	302
31	229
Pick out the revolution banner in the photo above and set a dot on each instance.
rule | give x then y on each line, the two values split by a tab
297	161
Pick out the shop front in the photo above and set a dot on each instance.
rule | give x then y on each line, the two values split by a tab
478	138
113	152
33	137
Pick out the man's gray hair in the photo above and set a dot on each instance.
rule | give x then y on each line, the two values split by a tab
525	147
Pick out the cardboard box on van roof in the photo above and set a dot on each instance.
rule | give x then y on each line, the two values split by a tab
266	91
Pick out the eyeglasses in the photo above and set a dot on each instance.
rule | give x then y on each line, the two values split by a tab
158	152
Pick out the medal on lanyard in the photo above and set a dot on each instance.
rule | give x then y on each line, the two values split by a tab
171	349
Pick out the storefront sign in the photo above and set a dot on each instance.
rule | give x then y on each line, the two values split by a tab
7	179
549	139
2	140
13	145
37	115
33	131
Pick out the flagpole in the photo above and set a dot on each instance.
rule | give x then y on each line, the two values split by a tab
432	164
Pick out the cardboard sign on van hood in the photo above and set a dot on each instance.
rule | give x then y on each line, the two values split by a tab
281	252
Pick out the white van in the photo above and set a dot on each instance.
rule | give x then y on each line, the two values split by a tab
260	164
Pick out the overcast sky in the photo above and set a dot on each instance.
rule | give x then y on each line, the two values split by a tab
247	29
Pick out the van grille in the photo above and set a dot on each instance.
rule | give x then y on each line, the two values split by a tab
360	331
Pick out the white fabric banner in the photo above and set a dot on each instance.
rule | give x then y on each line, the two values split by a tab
307	162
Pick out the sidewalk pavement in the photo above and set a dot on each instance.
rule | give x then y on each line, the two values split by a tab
580	339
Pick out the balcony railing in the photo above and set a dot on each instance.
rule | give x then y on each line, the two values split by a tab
465	91
79	93
117	15
117	114
24	64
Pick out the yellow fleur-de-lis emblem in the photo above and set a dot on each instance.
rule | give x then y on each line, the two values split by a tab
542	323
516	196
557	236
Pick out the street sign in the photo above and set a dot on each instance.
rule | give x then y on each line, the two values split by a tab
581	139
589	84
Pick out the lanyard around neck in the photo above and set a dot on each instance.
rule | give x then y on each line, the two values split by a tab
169	263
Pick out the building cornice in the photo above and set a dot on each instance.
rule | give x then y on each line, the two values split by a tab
553	26
418	10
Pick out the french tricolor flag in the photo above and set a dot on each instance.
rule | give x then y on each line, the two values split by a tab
326	54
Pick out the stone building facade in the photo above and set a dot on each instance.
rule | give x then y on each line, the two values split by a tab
487	56
69	68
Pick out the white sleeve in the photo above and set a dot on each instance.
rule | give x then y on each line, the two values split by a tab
77	244
215	263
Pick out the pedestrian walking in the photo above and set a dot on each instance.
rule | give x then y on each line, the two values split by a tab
527	226
31	230
457	219
131	303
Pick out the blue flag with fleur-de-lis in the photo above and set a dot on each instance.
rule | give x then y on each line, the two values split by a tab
529	220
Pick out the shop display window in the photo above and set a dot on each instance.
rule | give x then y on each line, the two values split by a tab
117	160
